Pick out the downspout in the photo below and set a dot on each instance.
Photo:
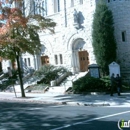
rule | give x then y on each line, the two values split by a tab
46	10
65	13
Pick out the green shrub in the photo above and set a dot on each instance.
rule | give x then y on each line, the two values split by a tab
106	80
86	84
48	73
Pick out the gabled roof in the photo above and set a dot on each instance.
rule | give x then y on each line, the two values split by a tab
114	64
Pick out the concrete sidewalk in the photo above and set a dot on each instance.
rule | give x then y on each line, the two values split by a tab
70	99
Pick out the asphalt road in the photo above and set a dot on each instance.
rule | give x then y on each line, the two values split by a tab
27	116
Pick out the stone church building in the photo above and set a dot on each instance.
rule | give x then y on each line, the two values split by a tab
71	45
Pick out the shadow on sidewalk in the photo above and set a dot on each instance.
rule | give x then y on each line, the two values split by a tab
118	100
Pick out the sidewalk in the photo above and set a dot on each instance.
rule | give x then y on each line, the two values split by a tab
70	99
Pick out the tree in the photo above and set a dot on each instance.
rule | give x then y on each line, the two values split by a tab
104	43
18	34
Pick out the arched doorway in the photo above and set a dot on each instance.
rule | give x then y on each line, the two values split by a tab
80	56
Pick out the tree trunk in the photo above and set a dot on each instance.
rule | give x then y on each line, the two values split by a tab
20	76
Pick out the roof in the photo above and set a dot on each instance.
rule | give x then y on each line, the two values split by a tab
114	64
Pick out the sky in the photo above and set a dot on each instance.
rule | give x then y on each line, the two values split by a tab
4	3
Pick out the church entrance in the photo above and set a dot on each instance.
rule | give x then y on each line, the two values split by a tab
83	60
80	56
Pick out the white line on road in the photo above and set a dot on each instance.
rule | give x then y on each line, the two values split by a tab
98	118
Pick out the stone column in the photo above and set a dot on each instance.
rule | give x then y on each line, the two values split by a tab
75	61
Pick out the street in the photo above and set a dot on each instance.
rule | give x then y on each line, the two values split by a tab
28	116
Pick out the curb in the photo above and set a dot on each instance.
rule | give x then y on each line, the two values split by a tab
56	102
88	104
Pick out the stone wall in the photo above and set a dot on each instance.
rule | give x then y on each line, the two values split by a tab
66	34
121	15
68	39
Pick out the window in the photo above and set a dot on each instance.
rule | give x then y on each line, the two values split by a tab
61	59
58	3
29	63
25	61
81	1
123	36
40	7
56	59
23	8
56	6
72	3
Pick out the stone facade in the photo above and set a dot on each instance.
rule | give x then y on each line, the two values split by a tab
62	47
72	37
121	15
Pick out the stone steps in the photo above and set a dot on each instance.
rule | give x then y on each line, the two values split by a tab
57	89
66	83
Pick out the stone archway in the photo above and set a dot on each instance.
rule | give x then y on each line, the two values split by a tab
80	56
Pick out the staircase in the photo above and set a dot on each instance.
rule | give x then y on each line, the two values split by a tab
57	89
70	79
61	89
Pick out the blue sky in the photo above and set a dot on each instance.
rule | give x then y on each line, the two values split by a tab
4	3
